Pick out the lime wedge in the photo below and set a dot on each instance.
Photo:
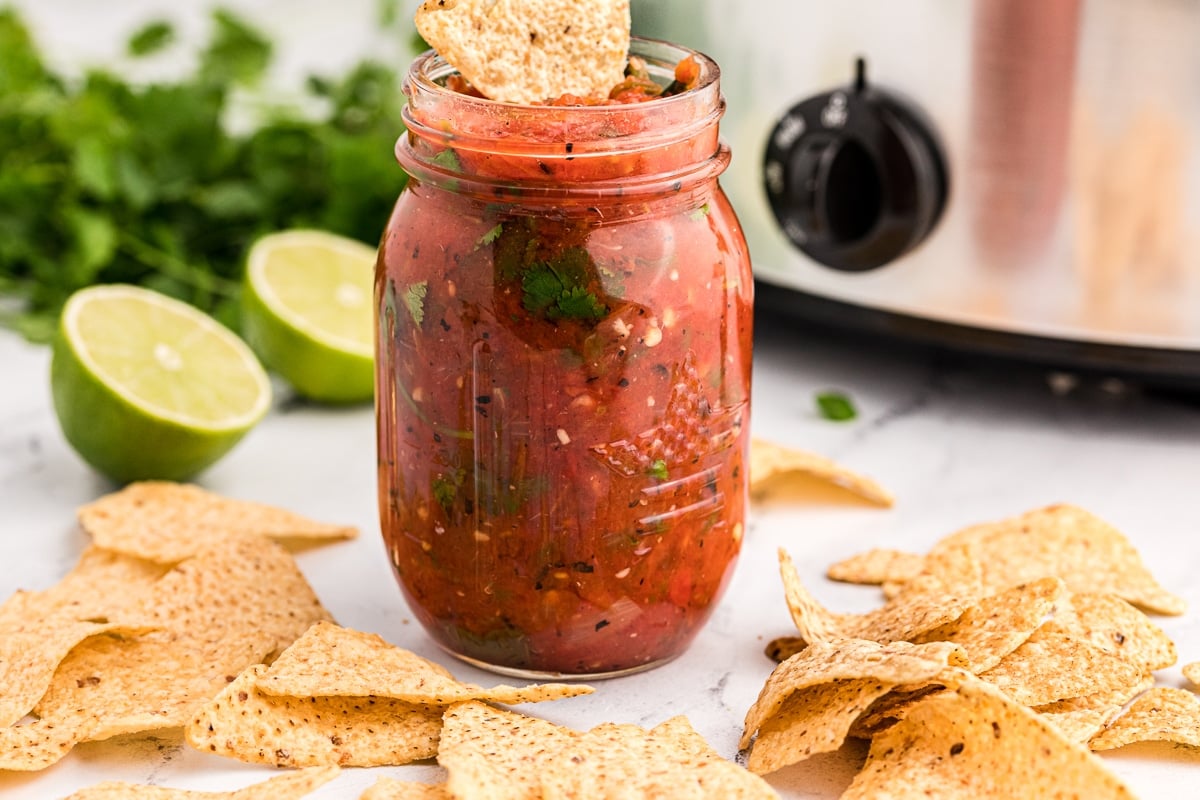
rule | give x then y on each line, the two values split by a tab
148	387
308	313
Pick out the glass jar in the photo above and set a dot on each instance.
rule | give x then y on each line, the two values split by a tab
563	374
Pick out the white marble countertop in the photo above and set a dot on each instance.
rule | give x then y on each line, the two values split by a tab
957	444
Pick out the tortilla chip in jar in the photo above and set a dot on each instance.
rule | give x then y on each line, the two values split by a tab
531	51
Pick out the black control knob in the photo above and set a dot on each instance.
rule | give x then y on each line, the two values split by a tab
855	177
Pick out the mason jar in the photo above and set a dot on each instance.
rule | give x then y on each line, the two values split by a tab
563	373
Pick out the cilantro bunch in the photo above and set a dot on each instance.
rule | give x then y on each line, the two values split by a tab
102	180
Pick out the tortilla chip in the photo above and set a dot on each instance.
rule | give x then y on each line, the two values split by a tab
38	629
956	569
491	754
244	723
1081	718
1192	672
168	522
30	655
331	661
1117	627
1051	666
529	51
811	721
781	648
98	586
1067	542
283	787
670	760
891	707
972	741
998	625
876	566
902	619
34	745
770	462
1162	714
214	615
824	662
391	789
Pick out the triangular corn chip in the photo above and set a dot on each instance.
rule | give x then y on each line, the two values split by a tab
530	51
972	741
244	723
1162	714
167	522
772	463
329	661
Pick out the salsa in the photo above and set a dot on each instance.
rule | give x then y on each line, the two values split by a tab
563	378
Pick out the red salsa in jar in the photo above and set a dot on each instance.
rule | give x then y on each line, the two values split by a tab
564	317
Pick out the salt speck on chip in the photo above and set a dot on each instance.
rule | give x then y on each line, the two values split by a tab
531	51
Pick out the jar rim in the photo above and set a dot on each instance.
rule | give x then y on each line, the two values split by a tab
437	112
617	148
428	68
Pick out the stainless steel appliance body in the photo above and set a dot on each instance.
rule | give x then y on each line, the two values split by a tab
1014	175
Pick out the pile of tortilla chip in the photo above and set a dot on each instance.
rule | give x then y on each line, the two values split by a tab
999	660
178	594
338	696
343	697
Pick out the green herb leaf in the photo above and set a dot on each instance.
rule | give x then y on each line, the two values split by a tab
414	298
658	469
107	180
700	213
579	303
491	236
448	159
836	406
445	488
151	38
20	63
559	289
542	287
237	52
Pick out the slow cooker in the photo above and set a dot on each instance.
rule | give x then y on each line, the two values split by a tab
1010	176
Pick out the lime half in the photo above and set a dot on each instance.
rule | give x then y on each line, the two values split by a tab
309	314
149	387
